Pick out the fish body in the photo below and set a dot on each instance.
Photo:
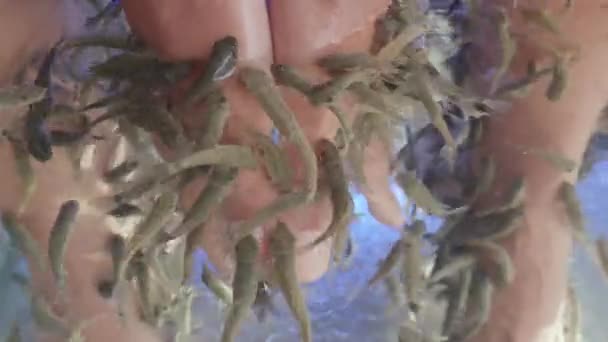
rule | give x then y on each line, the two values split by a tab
260	84
59	238
21	95
513	198
412	264
288	76
125	210
503	265
216	118
275	162
328	92
342	203
227	155
217	188
244	286
490	227
420	194
263	301
147	231
456	264
220	289
509	48
120	171
282	246
347	61
559	80
481	292
36	133
45	318
221	65
390	262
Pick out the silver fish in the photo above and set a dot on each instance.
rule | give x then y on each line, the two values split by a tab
59	238
244	286
21	95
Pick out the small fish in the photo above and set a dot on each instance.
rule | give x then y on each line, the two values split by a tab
36	133
217	188
21	237
567	194
393	49
481	292
260	84
282	246
244	286
121	171
101	40
392	259
226	155
347	61
59	238
217	115
342	202
43	78
513	197
457	303
486	177
281	204
45	318
25	172
288	76
110	12
457	263
147	231
434	110
509	49
125	210
221	65
21	95
275	162
601	246
412	265
522	85
117	247
559	80
394	288
420	194
328	92
503	266
220	289
491	227
541	18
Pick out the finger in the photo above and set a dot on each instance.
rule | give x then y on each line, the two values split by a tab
187	29
26	27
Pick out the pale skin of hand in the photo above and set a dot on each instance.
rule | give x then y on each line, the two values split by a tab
300	34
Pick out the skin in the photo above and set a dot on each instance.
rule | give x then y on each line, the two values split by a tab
298	33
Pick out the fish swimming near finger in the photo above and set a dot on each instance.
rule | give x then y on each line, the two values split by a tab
147	231
217	114
120	171
567	194
481	292
244	286
282	246
514	197
217	188
386	266
260	84
36	133
125	210
503	265
59	239
559	80
275	162
342	202
412	264
221	65
457	263
21	95
509	49
221	290
420	194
